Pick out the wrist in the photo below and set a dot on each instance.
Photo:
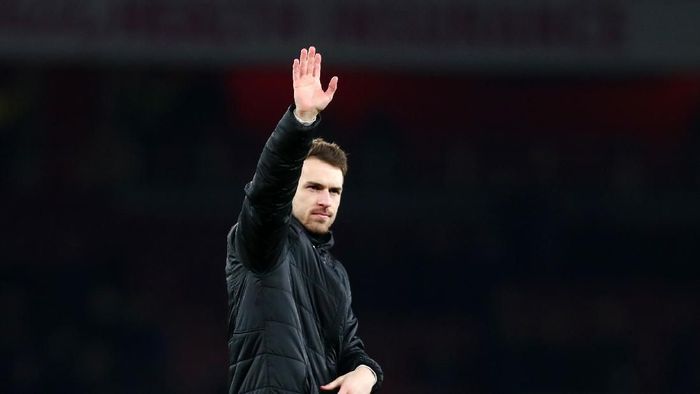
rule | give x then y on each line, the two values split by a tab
306	117
372	374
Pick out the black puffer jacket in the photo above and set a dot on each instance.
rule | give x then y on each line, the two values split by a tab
291	326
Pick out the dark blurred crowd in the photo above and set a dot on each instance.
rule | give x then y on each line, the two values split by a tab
491	248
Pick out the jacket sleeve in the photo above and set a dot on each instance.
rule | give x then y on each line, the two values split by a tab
353	352
260	235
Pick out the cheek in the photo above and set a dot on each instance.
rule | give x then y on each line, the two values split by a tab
301	201
297	203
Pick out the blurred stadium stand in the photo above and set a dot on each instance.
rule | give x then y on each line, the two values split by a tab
521	216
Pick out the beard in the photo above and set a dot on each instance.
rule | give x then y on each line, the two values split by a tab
317	225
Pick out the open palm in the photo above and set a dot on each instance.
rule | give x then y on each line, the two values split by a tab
309	96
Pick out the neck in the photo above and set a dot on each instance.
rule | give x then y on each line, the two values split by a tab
318	238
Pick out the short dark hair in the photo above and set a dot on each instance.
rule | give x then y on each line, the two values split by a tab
330	153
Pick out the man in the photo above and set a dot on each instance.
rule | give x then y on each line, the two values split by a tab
291	325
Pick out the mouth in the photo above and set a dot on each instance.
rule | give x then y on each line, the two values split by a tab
321	214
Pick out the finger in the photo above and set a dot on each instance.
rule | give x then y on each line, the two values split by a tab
311	60
332	86
303	60
317	66
312	56
334	384
295	70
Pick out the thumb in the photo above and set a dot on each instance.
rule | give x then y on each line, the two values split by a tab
332	86
334	384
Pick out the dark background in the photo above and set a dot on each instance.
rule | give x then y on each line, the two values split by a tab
519	232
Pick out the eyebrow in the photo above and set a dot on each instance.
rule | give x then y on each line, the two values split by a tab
316	184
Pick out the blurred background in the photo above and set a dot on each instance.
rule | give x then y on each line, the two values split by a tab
521	213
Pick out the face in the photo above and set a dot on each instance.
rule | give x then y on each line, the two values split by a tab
317	199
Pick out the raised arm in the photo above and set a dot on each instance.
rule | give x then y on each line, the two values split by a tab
262	225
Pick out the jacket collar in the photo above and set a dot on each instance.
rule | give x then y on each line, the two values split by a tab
320	241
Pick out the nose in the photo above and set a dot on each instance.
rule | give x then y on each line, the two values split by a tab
324	198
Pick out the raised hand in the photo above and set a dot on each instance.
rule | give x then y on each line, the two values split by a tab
309	96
